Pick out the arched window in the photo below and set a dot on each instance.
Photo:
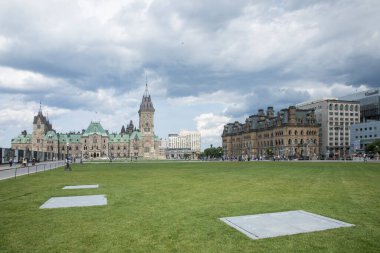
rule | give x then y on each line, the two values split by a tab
351	108
301	132
341	107
301	141
295	132
296	141
346	107
336	107
290	142
356	108
330	106
290	132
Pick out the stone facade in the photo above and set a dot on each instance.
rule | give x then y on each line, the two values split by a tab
292	133
46	144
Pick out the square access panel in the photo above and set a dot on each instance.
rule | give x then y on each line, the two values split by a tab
282	223
75	201
88	186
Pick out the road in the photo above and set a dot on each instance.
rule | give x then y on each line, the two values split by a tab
16	171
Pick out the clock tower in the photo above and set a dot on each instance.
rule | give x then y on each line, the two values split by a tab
146	124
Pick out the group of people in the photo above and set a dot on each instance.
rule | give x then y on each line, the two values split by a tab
23	161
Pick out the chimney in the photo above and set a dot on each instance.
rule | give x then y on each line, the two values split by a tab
270	113
292	115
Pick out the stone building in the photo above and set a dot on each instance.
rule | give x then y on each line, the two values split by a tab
44	143
292	133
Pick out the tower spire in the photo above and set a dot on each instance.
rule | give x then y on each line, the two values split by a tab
146	85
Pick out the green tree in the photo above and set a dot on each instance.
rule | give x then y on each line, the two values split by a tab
373	147
213	152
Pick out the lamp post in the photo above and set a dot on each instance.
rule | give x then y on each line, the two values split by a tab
67	158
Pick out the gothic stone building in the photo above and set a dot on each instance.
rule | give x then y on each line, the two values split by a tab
94	142
293	133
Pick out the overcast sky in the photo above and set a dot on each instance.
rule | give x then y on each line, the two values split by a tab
207	62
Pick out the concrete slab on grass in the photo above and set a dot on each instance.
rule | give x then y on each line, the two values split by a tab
89	186
283	223
75	201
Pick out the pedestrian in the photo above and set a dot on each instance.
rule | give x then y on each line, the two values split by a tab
10	162
365	157
67	164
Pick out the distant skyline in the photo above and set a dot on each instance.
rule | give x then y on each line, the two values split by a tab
207	62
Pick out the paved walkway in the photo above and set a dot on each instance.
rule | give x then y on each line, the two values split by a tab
16	170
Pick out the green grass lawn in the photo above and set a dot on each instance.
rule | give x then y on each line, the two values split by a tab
174	207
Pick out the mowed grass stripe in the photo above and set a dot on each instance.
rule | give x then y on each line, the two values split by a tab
174	207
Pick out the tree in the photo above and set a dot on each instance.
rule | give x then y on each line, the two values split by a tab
374	147
213	152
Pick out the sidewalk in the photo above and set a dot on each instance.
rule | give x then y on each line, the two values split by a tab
17	170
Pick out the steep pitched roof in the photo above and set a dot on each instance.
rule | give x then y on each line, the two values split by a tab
95	128
69	138
22	139
146	103
118	138
51	135
136	134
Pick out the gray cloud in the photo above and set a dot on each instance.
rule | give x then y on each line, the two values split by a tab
270	52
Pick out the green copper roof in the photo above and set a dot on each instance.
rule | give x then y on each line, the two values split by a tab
95	128
118	138
22	139
69	138
51	135
136	134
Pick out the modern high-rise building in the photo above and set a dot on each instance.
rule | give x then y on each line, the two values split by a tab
363	134
184	145
185	139
369	104
335	117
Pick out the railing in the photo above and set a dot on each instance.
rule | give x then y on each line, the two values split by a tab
16	171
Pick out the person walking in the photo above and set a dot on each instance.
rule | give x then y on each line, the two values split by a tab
10	162
68	167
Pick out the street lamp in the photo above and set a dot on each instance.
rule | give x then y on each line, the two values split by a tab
67	157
